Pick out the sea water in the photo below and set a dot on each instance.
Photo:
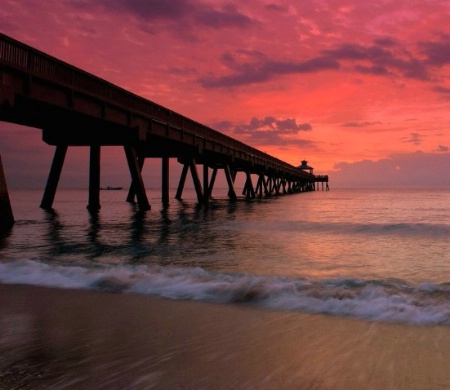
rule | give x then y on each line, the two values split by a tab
380	255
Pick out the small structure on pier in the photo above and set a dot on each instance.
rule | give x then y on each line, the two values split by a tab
306	167
317	178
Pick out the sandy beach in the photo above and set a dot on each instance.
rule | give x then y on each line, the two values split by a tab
71	339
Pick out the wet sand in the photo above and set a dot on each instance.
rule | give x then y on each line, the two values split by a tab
70	339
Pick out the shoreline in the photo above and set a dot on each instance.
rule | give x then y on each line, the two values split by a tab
78	339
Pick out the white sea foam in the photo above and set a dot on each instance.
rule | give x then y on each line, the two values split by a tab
374	300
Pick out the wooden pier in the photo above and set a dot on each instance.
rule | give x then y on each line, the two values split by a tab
75	108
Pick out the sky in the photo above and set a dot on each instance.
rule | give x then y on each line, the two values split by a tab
360	89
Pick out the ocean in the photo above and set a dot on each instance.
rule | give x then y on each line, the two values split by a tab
373	254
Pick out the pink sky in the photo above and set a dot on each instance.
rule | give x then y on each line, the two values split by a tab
361	89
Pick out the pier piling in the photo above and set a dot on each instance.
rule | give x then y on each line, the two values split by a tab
53	177
94	179
165	181
6	214
136	177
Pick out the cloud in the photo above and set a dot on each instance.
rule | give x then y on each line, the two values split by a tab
408	170
414	138
437	52
186	14
271	124
269	131
442	148
442	90
377	70
360	124
387	41
275	7
255	67
383	57
228	16
380	59
151	10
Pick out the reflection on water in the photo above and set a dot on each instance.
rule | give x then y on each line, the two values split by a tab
137	237
371	235
4	234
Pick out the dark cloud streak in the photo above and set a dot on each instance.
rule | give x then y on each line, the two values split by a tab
270	123
269	131
437	52
229	16
382	58
185	13
414	138
379	60
360	124
275	7
152	10
263	69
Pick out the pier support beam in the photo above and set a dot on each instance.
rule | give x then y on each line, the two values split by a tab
165	181
230	180
269	185
212	182
283	184
277	185
196	180
180	188
249	191
6	214
233	174
190	165
53	177
94	179
132	191
261	186
205	182
136	177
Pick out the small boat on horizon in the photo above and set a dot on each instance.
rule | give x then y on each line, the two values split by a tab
111	188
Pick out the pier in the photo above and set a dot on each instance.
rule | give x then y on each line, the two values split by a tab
75	108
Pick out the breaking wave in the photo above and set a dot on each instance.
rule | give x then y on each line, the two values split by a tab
377	300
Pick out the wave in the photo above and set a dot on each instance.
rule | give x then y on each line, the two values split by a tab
430	230
377	300
410	229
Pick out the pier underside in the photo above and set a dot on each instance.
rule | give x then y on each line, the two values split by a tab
63	127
